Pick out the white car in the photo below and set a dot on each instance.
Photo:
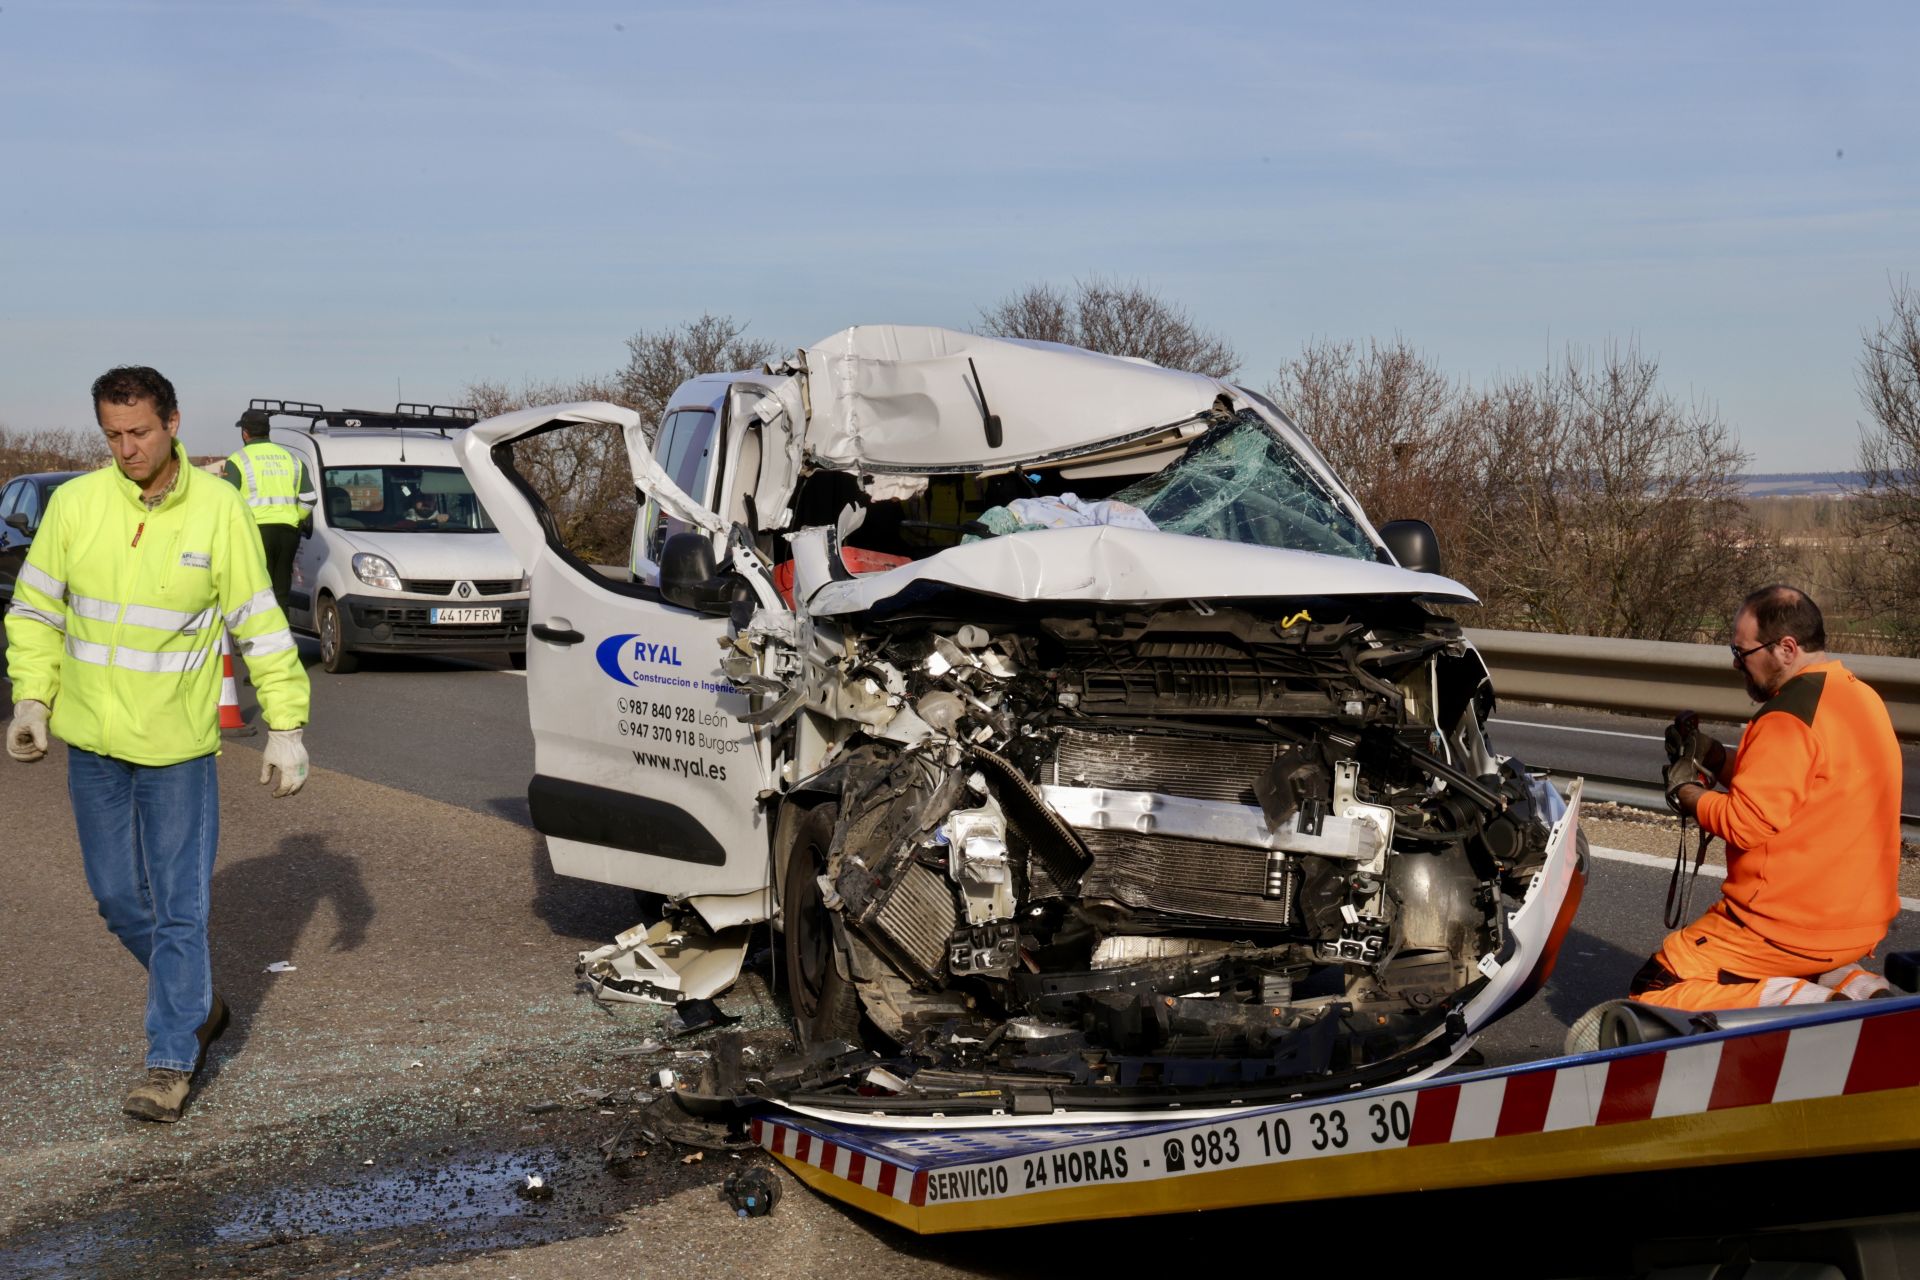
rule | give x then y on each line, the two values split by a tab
1083	737
401	556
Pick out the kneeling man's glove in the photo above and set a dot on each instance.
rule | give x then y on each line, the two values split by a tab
1680	734
27	735
1684	772
285	753
1686	741
1693	759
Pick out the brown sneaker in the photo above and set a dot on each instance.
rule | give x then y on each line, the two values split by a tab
210	1030
161	1098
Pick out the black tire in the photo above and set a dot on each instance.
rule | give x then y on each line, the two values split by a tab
333	650
825	1004
517	660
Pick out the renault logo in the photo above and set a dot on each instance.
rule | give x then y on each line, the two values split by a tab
466	589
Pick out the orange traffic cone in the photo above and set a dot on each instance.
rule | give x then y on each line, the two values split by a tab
231	725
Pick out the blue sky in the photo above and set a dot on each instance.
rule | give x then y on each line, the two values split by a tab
329	201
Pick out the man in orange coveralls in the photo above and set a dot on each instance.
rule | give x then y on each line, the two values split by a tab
1811	817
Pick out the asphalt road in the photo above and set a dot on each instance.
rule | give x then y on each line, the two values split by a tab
374	1108
446	728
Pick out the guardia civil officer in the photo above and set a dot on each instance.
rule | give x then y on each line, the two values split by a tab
279	493
113	640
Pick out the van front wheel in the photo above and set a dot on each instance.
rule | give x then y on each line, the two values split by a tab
825	1004
333	650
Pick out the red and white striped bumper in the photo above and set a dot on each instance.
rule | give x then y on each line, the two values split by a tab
1841	1079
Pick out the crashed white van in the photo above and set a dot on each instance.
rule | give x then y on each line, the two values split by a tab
1083	737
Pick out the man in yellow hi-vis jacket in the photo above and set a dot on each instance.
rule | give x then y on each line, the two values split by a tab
279	493
114	631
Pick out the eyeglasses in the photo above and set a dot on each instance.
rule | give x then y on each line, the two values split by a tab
1740	655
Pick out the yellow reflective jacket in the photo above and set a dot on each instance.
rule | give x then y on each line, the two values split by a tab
274	482
117	612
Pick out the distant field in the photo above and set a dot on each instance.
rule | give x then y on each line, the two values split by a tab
1808	526
1799	484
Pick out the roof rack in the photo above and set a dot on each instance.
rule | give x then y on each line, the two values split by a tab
438	411
431	417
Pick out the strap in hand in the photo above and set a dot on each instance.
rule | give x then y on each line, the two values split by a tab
1679	897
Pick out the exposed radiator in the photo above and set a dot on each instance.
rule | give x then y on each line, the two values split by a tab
1184	877
1172	874
912	922
1203	768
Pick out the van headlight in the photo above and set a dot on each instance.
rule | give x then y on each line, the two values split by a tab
376	571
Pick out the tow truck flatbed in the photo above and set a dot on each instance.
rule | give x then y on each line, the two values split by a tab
1840	1079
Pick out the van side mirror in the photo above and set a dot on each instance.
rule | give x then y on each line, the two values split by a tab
1413	543
19	521
689	578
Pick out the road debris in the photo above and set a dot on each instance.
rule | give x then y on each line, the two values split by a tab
662	964
620	1153
641	1050
690	1016
536	1188
282	966
751	1192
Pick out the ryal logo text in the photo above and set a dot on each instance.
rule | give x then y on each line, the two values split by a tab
624	657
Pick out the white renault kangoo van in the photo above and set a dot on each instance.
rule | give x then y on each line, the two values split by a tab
401	557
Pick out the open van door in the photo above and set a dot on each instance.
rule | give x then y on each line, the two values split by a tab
644	774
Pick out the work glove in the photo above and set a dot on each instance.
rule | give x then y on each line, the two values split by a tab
285	753
1686	741
1684	772
27	735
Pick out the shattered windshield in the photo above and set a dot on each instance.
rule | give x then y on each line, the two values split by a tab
1237	483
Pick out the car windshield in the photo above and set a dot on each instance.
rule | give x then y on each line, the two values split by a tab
402	499
1237	483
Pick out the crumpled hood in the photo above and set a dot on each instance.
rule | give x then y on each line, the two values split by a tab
484	556
1107	562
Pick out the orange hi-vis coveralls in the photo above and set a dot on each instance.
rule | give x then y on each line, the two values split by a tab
1811	817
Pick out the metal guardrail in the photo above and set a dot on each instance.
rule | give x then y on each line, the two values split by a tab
1637	794
1656	677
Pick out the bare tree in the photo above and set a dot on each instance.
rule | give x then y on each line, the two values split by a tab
582	473
1386	419
1583	500
1604	506
1039	312
659	360
1880	571
49	449
1118	319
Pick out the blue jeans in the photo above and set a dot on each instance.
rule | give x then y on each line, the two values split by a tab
147	835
